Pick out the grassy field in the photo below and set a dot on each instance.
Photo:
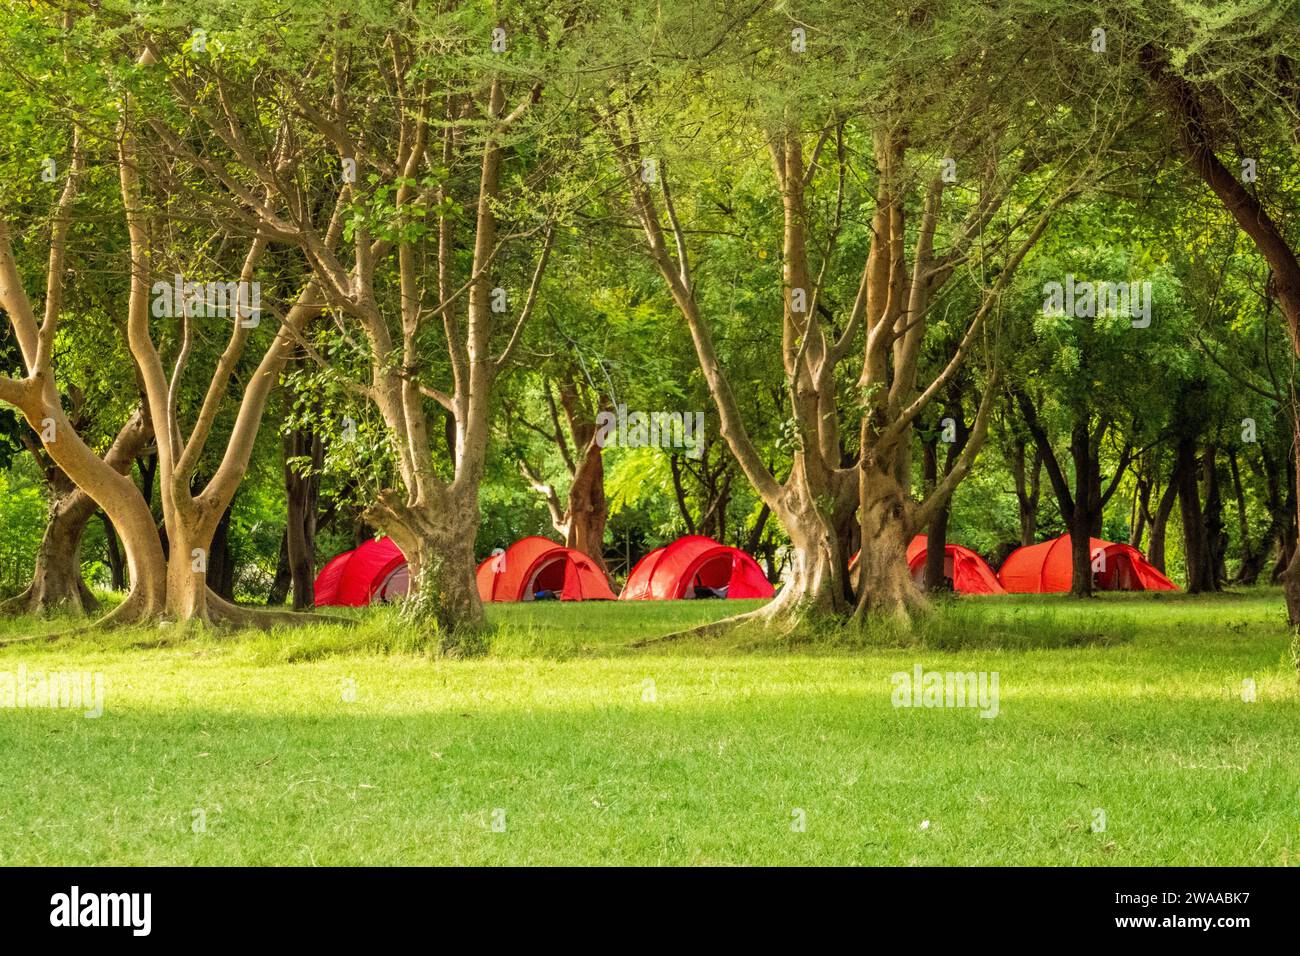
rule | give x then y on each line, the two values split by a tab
341	744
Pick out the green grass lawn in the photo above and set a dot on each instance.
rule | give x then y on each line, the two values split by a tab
590	751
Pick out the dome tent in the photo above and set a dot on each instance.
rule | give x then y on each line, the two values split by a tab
1048	568
536	564
374	571
675	571
969	573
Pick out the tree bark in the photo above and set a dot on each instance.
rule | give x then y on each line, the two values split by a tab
1027	482
38	398
1080	554
1196	546
439	546
936	552
302	493
57	584
586	507
1216	537
221	566
1141	519
1075	506
116	563
1160	521
886	584
1255	554
283	579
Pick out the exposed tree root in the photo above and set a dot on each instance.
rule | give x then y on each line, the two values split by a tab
134	612
19	604
777	611
134	609
41	605
130	612
712	629
34	638
790	611
221	611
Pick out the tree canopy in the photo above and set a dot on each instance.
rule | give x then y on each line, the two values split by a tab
276	280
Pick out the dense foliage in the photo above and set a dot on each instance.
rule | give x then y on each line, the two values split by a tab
480	228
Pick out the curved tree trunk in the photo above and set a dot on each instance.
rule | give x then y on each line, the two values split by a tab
1160	523
1197	139
57	584
1027	482
39	399
102	482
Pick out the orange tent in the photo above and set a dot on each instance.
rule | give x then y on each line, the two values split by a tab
969	573
1048	568
535	564
674	572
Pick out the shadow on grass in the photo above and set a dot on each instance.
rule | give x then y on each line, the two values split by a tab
564	631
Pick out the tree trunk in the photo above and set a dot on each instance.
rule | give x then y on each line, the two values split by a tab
936	548
116	562
102	481
283	580
1081	553
1255	555
1196	547
755	536
1286	542
187	573
1081	518
57	584
1291	588
1027	481
1141	512
221	564
438	541
1291	578
884	584
302	492
1215	536
937	531
815	587
1197	142
587	509
1160	522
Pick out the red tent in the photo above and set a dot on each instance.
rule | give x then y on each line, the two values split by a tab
376	570
969	573
1047	568
535	564
674	572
